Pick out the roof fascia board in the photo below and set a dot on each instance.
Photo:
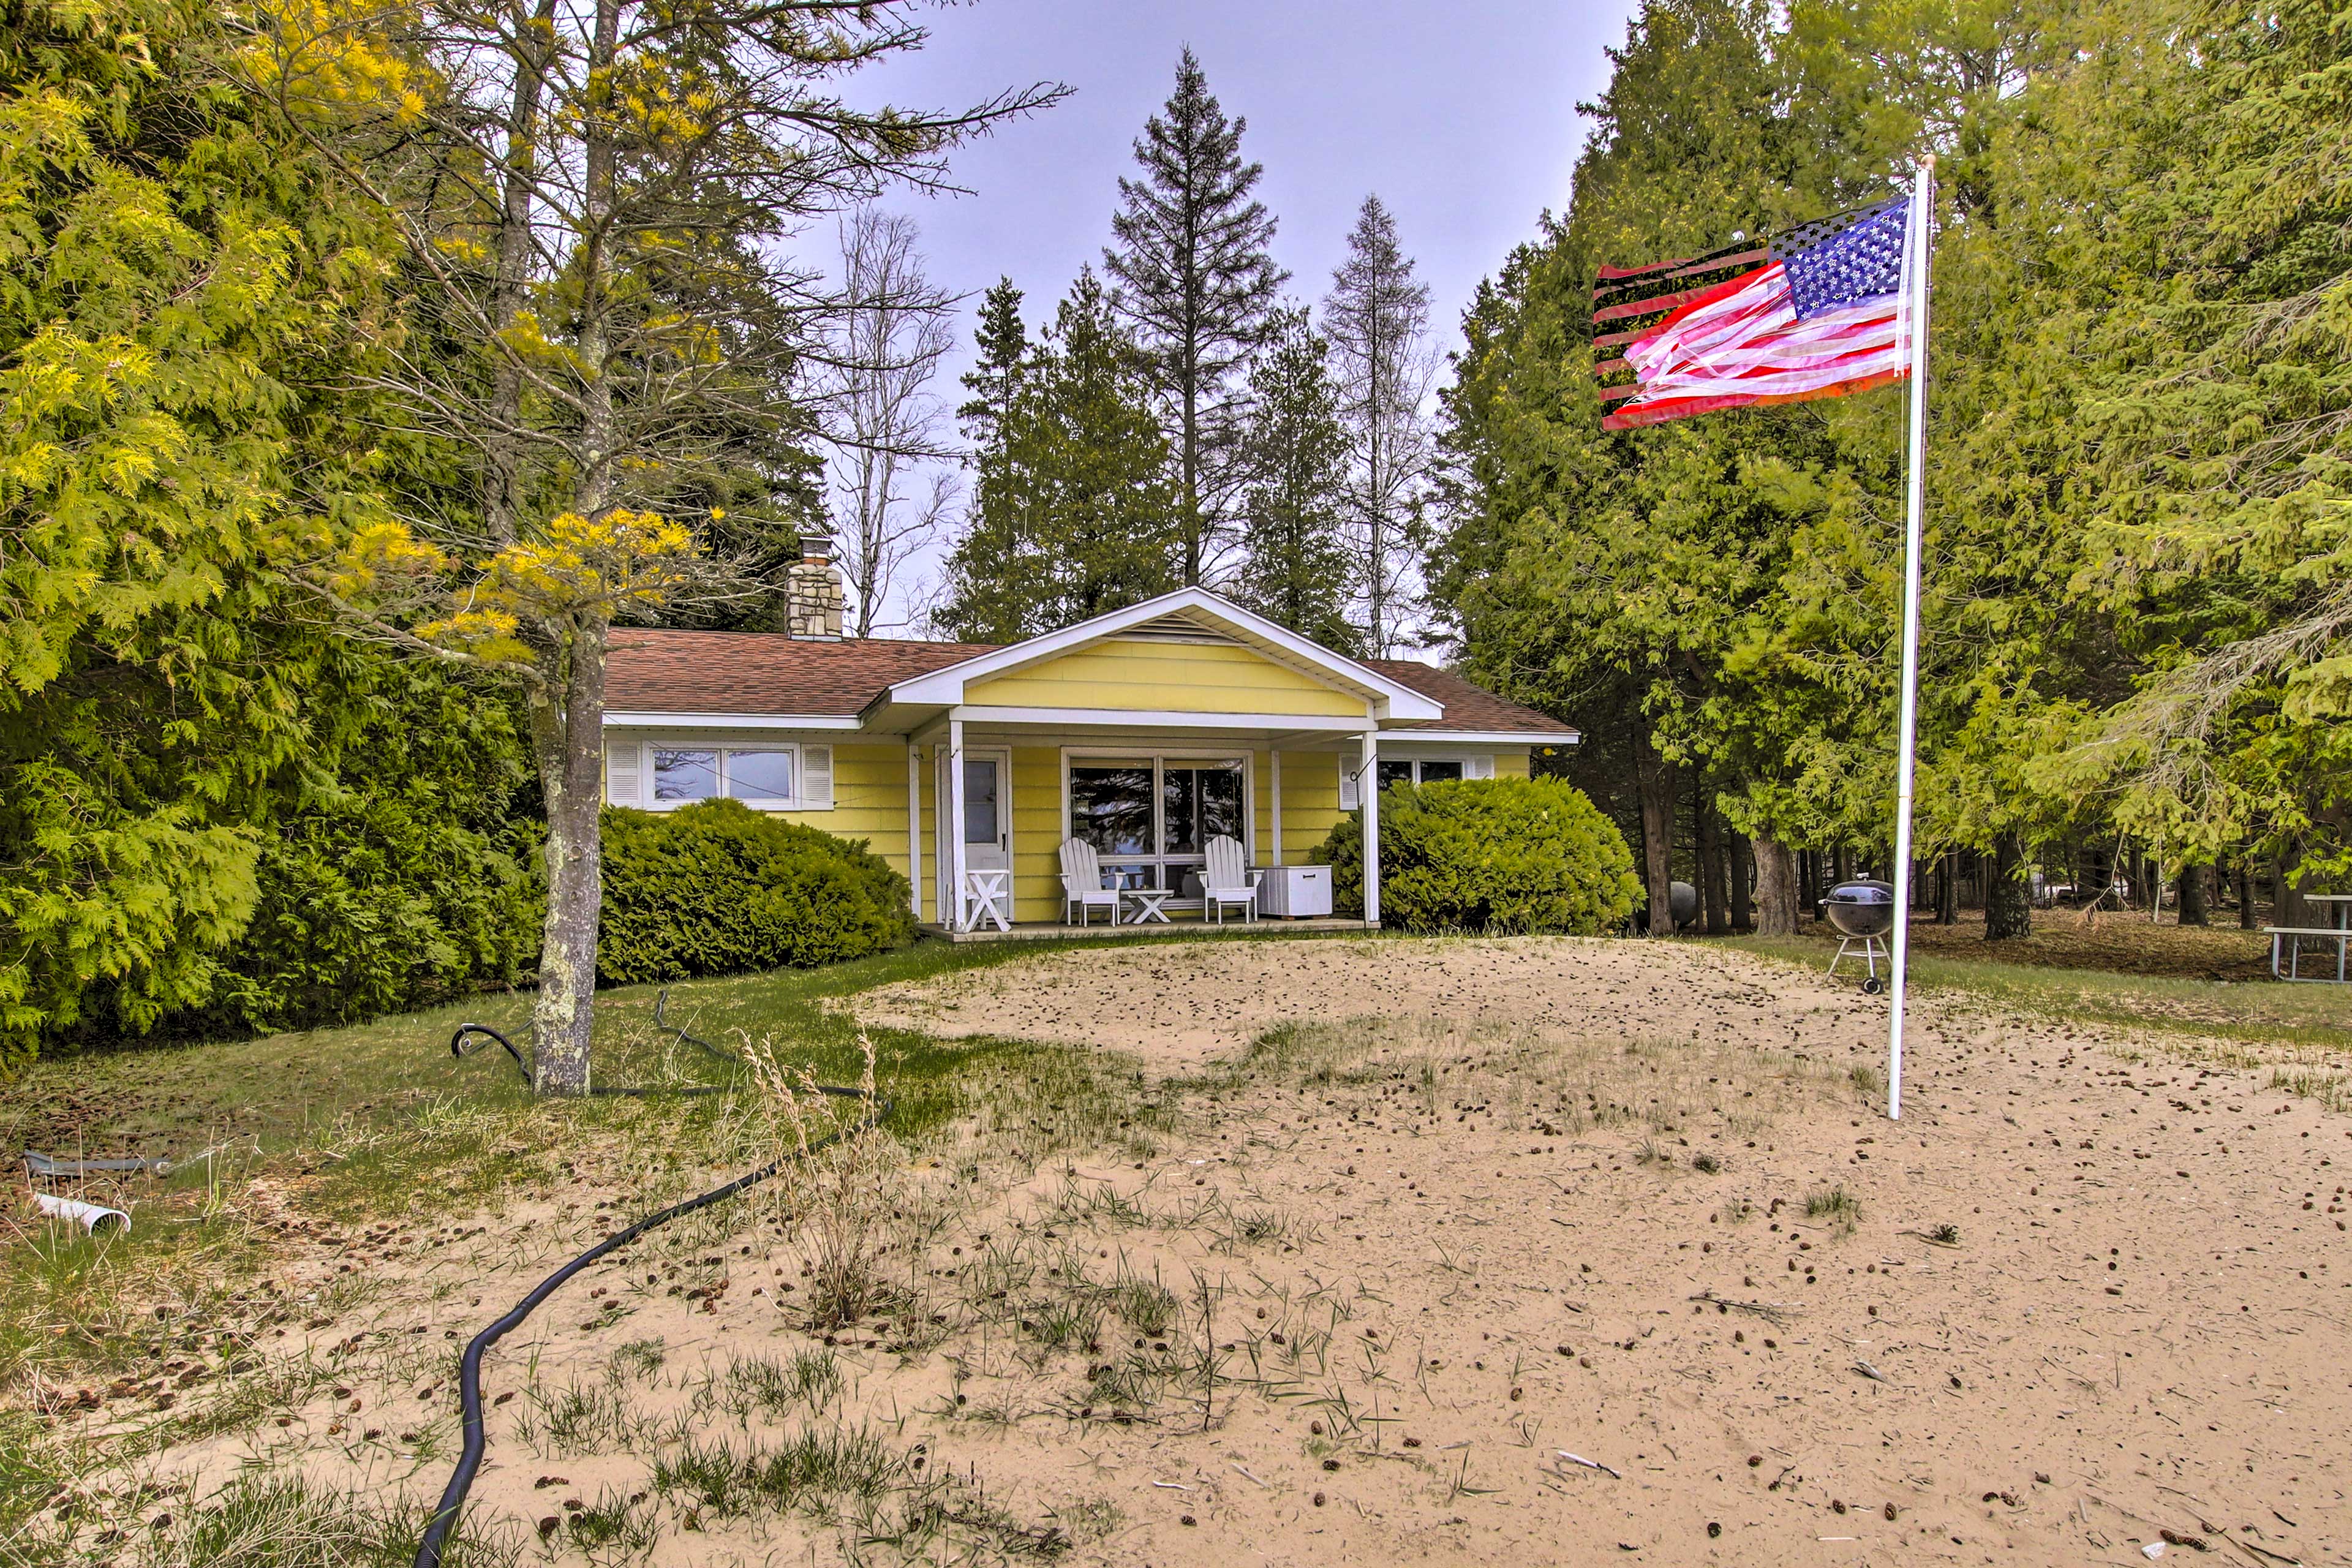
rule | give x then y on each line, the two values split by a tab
1391	698
633	720
1489	737
1159	719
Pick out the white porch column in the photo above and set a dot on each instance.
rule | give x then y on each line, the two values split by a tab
1273	816
1368	790
953	805
915	824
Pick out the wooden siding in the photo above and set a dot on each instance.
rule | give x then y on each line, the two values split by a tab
1310	800
1037	833
1185	677
869	800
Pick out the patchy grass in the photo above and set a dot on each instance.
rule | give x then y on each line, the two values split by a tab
959	1251
318	1133
2016	975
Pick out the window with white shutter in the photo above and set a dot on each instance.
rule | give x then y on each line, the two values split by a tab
1478	767
816	778
623	772
1348	797
664	775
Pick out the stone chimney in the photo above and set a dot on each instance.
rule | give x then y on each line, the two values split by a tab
813	592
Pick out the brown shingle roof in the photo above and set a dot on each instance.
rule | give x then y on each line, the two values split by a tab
657	671
661	671
1468	708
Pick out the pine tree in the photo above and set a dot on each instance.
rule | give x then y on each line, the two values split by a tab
1377	318
1074	511
990	591
1198	284
1295	566
994	377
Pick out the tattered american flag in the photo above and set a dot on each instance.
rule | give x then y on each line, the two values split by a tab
1820	311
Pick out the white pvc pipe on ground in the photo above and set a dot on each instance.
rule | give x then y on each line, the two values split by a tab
89	1216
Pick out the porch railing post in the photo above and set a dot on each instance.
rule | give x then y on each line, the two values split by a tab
1273	813
1368	790
955	827
915	825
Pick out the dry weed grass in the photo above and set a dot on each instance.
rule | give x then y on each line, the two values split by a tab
1008	1285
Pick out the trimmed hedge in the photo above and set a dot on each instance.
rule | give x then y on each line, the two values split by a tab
1489	854
720	889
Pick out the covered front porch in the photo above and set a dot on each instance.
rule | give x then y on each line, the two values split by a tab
997	801
1046	931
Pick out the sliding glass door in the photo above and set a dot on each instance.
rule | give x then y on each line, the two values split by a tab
1151	819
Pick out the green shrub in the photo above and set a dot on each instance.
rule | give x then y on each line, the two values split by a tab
392	865
1492	855
720	889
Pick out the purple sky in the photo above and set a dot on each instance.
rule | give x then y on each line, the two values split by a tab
1462	117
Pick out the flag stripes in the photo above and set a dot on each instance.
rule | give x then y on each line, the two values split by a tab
1727	331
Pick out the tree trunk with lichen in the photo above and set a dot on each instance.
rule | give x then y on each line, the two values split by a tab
568	738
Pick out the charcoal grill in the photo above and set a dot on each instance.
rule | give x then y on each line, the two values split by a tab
1863	913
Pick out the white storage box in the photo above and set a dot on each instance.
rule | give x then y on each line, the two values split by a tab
1295	891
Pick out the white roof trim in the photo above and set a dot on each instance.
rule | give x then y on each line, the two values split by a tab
1485	737
1389	699
618	721
1157	719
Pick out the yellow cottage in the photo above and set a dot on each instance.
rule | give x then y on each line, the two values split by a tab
1141	735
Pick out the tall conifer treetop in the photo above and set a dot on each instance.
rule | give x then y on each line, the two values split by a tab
1198	284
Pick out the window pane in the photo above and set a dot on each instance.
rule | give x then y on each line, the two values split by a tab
1432	770
980	800
1141	875
759	775
1110	808
1221	804
1180	800
685	775
1395	773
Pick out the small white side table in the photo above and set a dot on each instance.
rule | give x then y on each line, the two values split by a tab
1143	904
987	896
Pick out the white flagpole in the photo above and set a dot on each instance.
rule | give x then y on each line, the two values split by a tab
1919	243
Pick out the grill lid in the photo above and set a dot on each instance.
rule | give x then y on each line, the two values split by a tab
1865	893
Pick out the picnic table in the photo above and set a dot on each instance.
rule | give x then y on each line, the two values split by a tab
2287	941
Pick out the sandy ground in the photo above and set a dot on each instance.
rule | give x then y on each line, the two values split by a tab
1178	1007
1477	1250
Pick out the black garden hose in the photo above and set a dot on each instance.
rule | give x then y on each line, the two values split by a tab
457	1047
469	1370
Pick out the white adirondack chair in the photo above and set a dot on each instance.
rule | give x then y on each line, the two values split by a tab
1225	881
1082	883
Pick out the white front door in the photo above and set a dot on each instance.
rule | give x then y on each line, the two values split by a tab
987	809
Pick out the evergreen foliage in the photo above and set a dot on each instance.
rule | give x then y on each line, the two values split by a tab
1295	559
718	889
1488	854
2134	606
1199	284
1075	512
180	285
404	878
